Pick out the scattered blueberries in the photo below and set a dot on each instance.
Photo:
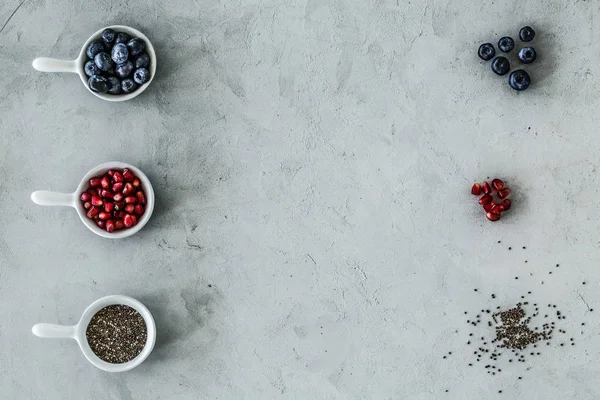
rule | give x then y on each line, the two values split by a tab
506	44
119	53
500	65
108	36
519	80
103	61
142	61
98	84
136	46
526	34
117	63
527	55
94	48
128	85
122	38
486	51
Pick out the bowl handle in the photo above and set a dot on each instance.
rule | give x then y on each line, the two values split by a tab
46	64
52	331
46	198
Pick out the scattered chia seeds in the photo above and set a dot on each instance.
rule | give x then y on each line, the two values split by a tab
117	334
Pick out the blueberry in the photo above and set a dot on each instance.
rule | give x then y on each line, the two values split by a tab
124	70
122	37
114	85
91	68
519	80
142	61
94	48
486	51
120	54
527	55
108	36
98	84
128	86
136	46
103	61
500	65
506	44
526	34
141	76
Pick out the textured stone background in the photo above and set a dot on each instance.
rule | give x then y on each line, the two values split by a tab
311	161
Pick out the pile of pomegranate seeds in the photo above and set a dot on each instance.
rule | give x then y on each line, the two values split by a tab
492	208
115	200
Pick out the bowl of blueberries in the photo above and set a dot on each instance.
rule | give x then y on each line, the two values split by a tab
117	63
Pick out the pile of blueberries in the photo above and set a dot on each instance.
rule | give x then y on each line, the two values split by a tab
518	79
117	63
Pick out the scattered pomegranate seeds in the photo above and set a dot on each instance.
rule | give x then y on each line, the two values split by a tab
497	184
492	209
486	188
115	200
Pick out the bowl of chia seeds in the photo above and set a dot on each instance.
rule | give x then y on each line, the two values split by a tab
115	333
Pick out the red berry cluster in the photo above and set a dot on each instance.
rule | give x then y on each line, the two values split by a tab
115	200
492	209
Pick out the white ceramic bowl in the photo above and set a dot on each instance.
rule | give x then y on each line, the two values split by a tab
78	332
46	198
45	64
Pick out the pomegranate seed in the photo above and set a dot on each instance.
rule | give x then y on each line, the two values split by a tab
105	182
118	197
122	214
492	216
119	224
497	184
117	177
503	193
129	208
110	225
97	201
506	203
117	187
92	212
140	197
128	175
139	209
98	192
119	205
110	172
95	182
108	206
87	205
486	198
130	199
85	196
497	208
489	206
129	220
486	188
104	215
136	182
128	189
100	224
106	193
476	189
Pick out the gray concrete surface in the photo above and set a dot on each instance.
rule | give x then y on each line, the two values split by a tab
314	235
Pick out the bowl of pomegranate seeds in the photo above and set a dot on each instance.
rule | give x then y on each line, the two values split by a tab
114	200
494	200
